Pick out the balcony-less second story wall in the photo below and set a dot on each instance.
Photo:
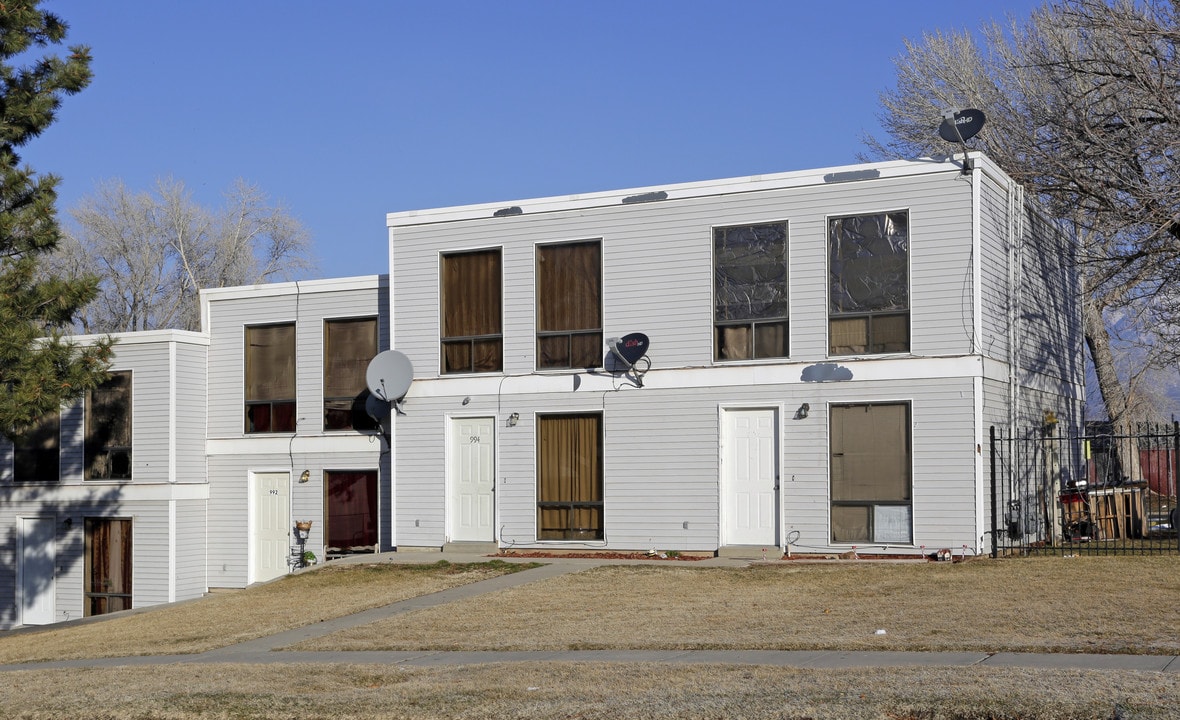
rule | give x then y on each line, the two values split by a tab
267	349
658	269
145	425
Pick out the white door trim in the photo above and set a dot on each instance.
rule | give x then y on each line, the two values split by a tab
775	527
47	610
252	503
452	484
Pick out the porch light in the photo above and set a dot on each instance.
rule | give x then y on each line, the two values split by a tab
802	412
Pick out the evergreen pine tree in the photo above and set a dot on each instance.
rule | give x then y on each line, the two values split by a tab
39	367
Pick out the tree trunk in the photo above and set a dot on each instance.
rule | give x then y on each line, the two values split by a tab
1114	396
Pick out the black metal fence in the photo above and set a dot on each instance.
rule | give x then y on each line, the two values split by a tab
1099	492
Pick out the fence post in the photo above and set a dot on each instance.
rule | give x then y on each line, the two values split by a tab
995	518
1174	516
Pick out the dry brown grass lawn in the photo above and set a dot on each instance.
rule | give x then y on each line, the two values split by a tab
225	619
583	690
1097	604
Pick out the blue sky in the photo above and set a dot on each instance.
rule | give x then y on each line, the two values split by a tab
348	110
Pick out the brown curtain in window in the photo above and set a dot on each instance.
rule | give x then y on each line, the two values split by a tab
569	477
349	345
352	511
569	287
270	362
471	294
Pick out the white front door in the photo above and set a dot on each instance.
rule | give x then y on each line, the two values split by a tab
749	477
473	469
272	521
38	557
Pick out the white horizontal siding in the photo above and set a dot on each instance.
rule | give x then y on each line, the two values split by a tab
657	267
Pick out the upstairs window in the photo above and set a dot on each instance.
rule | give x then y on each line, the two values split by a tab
751	308
270	378
349	345
108	429
472	338
569	305
35	451
868	280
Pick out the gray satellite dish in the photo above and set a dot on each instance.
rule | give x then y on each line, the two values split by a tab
959	126
389	375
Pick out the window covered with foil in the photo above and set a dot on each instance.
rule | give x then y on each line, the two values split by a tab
868	281
751	307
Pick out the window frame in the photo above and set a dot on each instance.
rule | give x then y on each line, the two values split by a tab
89	595
288	405
363	475
91	454
346	405
586	336
872	319
39	455
753	324
471	339
870	505
573	506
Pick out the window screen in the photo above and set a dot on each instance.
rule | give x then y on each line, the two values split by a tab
569	477
108	429
868	273
270	378
349	345
569	305
870	473
751	304
472	339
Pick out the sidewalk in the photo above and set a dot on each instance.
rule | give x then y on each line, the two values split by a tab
270	649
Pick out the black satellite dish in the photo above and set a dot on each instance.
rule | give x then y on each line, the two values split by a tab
630	348
958	126
961	125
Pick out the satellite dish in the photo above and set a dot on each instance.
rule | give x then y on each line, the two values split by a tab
961	125
630	348
389	375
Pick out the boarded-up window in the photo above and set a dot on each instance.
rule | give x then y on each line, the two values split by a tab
352	511
107	569
569	477
270	378
108	429
870	466
868	281
569	305
349	345
472	339
750	301
35	451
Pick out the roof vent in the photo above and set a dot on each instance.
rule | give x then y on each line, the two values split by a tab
508	211
646	197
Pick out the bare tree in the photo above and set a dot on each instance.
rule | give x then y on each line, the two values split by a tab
156	250
1082	109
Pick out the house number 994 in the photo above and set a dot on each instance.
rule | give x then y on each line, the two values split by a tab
474	440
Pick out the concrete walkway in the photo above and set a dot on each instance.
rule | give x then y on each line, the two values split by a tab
269	649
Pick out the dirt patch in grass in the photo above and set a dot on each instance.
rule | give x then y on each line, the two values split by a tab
228	618
565	690
1106	605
